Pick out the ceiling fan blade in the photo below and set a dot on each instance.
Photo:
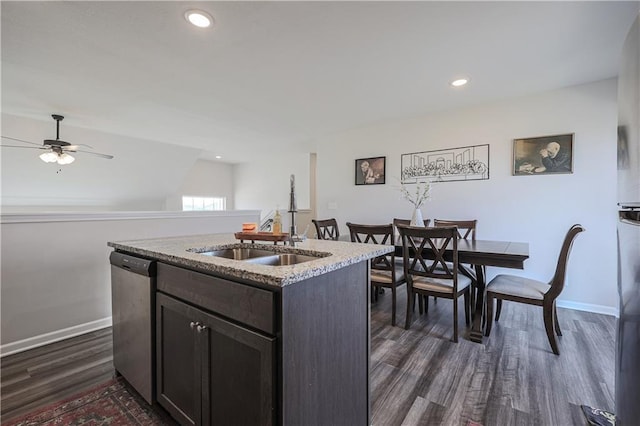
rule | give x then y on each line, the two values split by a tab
20	140
107	156
72	148
83	144
20	146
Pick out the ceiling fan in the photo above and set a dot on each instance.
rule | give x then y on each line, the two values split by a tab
57	150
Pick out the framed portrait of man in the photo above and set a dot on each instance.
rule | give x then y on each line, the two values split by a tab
370	171
543	155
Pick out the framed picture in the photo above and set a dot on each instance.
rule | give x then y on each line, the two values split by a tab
370	171
446	165
543	155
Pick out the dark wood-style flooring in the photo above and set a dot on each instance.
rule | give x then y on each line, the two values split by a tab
418	376
41	376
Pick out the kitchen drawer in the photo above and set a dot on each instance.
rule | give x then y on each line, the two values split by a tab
248	305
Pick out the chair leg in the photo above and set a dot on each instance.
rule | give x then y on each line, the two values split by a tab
411	304
489	314
467	316
435	300
393	305
455	319
555	320
547	313
498	309
420	303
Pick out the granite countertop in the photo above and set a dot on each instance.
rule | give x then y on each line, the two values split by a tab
185	251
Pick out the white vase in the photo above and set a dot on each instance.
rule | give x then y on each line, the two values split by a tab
416	218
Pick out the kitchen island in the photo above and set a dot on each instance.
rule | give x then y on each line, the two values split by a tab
260	333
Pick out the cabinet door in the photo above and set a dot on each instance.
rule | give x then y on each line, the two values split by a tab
237	375
177	358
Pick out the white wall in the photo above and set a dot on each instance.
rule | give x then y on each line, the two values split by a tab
534	209
55	274
139	177
205	179
265	185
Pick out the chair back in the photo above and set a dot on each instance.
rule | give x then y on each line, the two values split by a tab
407	222
376	234
466	228
327	229
423	250
557	282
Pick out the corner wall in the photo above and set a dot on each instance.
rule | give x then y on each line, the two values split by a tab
205	179
265	185
55	278
535	209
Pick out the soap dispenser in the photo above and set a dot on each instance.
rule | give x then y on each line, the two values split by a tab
277	223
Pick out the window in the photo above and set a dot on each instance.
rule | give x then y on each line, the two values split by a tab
203	203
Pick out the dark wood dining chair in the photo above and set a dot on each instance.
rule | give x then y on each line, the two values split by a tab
466	228
533	292
466	231
327	229
385	271
428	273
407	222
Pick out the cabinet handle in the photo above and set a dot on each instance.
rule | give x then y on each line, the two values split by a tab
193	324
201	328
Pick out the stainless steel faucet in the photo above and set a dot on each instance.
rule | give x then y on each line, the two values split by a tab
293	209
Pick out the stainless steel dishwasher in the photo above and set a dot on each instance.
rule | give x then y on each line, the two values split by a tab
133	286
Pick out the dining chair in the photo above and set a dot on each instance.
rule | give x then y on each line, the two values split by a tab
407	222
327	229
385	271
533	292
466	228
466	231
427	273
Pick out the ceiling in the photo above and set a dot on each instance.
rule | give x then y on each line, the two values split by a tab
278	76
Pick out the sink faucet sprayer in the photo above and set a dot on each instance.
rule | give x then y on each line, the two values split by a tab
293	209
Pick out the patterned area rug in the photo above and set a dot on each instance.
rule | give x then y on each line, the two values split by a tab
111	403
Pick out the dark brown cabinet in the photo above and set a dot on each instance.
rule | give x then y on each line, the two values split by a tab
232	353
210	368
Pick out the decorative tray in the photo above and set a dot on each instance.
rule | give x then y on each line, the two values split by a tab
261	236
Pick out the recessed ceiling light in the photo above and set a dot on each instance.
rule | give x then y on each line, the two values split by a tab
459	82
218	157
198	18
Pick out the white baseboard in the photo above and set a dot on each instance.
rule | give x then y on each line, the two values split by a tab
588	307
54	336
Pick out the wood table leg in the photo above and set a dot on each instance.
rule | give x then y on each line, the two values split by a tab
476	328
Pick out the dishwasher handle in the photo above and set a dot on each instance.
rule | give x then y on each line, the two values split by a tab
133	264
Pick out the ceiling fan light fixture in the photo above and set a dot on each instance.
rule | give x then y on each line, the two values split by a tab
198	18
65	158
49	157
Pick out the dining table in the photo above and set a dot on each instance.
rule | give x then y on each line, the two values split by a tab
482	253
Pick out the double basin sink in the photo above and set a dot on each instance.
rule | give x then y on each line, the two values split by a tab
262	256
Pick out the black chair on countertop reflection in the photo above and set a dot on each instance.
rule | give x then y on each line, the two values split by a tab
428	274
533	292
385	271
327	229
